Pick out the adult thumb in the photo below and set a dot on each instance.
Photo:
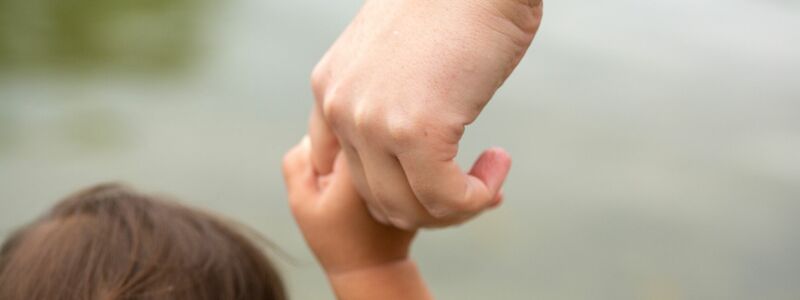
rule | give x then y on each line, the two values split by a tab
491	168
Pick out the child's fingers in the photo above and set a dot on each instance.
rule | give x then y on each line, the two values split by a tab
324	145
341	187
298	173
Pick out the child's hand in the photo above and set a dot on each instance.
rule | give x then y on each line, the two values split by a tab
334	219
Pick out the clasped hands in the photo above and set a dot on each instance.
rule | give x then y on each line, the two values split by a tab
395	92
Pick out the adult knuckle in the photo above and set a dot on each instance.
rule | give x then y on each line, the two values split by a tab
406	131
334	109
365	119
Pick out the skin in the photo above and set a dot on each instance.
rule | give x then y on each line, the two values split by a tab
362	258
395	92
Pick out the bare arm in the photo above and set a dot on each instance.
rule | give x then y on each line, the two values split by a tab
398	280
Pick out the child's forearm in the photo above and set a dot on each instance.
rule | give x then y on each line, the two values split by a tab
398	280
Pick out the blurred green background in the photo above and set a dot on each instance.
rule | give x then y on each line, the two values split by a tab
656	143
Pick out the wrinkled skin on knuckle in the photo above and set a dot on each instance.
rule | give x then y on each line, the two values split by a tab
525	15
446	206
395	216
435	202
446	210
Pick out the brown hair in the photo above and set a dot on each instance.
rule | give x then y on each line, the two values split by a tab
108	242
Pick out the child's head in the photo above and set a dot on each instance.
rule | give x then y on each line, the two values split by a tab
108	242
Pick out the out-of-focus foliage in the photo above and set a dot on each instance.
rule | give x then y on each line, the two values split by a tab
138	35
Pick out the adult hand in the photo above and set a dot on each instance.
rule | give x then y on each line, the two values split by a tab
395	92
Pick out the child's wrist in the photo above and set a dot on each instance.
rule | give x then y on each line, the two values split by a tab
377	268
371	255
399	279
